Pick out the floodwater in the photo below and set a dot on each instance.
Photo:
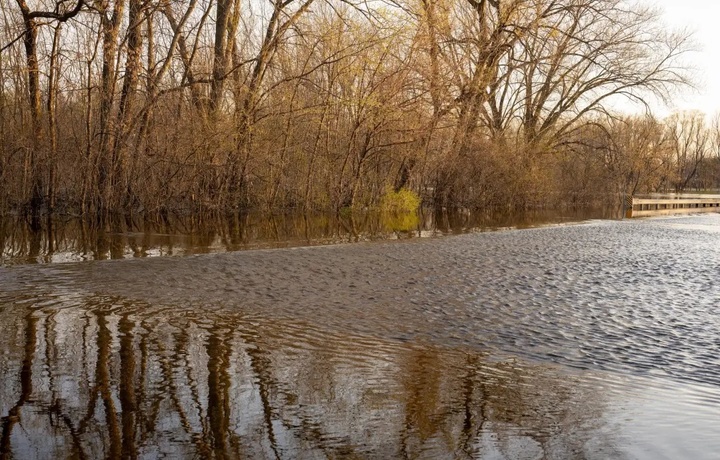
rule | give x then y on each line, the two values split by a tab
68	239
590	340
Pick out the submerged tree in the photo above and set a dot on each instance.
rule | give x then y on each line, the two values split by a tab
218	105
690	144
35	162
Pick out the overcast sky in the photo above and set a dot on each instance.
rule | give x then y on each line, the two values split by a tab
702	17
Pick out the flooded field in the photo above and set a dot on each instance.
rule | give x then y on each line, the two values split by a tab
586	340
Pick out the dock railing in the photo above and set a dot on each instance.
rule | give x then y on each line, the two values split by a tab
670	203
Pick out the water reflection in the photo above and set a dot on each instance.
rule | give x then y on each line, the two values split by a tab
113	379
108	378
71	239
547	343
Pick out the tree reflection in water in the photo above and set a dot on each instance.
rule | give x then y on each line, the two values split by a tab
62	240
103	377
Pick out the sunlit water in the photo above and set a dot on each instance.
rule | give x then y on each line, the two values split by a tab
590	340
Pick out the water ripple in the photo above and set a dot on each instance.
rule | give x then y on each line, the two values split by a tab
637	296
456	331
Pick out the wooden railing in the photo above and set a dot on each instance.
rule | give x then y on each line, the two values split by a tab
662	205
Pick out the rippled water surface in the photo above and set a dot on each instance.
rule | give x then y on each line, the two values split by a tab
591	340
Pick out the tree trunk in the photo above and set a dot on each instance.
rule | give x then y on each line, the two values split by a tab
3	139
122	183
220	53
52	118
33	176
110	29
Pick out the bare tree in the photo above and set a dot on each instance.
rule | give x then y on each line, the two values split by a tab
690	143
33	166
216	105
110	21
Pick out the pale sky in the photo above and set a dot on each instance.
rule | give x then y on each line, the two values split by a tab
702	17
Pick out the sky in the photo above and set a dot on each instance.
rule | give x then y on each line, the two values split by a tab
703	18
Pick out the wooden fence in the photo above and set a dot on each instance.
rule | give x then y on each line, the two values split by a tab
662	205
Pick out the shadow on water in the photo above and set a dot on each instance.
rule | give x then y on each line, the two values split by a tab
107	378
72	239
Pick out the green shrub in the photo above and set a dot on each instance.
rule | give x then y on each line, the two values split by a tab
402	201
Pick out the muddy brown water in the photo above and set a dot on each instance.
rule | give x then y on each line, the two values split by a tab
596	339
68	239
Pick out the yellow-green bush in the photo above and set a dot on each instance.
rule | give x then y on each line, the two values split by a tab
402	201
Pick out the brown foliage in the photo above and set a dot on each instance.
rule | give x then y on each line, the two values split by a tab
213	106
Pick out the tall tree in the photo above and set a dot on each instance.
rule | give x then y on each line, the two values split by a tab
33	163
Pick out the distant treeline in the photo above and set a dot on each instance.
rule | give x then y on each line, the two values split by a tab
200	105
